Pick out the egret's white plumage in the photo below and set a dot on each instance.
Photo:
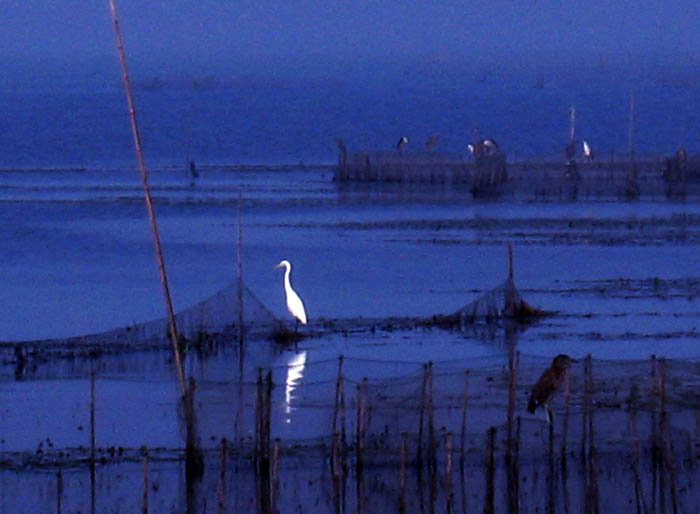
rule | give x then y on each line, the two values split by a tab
294	304
587	152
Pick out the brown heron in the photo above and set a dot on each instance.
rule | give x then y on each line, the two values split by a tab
549	382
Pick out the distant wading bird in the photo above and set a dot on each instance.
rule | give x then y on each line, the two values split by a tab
431	142
294	304
587	152
483	147
399	146
549	382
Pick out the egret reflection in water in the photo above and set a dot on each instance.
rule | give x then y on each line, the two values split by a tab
295	372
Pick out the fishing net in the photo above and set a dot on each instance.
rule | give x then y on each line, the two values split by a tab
502	302
395	167
232	312
620	425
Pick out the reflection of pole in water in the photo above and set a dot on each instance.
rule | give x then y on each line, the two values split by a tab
572	125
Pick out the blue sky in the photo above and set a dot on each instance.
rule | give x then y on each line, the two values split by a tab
215	34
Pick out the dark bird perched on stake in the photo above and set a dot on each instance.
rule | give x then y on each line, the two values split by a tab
431	142
401	143
549	382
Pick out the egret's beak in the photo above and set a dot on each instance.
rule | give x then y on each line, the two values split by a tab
277	265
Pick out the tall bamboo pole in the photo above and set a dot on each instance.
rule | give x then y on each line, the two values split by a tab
147	195
239	273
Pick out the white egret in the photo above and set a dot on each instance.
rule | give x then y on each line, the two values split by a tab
294	304
587	152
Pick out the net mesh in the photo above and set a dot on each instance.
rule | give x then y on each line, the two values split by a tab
501	302
620	422
232	312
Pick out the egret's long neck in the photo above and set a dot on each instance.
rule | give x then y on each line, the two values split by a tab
287	271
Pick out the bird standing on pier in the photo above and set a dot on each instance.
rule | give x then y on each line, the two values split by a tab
549	382
294	304
587	152
430	143
483	147
403	141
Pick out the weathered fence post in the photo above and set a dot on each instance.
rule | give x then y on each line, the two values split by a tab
144	471
463	433
489	497
402	474
221	490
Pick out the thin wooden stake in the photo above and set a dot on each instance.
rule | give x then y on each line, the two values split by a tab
448	472
489	497
402	473
268	413
275	474
512	381
421	417
550	469
360	426
338	387
463	433
432	453
585	452
59	490
564	438
194	458
343	435
335	451
221	492
144	471
654	434
632	405
92	442
510	260
239	273
591	441
258	420
149	203
92	418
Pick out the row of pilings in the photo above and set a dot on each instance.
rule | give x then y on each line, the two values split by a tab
437	458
